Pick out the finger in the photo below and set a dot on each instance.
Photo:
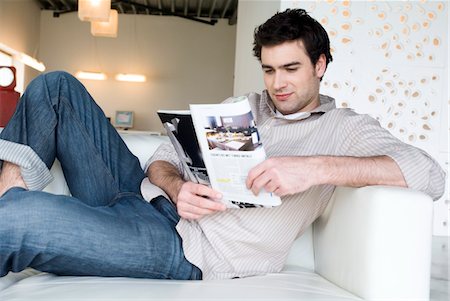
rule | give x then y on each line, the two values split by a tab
205	203
189	190
188	208
206	191
189	216
271	186
279	192
193	200
260	182
254	173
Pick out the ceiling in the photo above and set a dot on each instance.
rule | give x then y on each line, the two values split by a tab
204	11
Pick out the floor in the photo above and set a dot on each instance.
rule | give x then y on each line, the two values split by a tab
439	269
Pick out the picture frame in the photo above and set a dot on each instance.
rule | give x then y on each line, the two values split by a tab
124	119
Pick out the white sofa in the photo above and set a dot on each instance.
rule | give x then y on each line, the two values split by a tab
372	243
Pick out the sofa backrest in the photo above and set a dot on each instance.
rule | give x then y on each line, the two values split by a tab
302	251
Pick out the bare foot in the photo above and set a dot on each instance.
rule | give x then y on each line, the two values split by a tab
10	176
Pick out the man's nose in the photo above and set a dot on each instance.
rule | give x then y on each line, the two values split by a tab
279	81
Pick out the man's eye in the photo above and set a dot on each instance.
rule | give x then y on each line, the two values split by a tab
268	71
291	69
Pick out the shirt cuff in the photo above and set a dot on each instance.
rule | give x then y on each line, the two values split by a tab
34	172
166	152
414	163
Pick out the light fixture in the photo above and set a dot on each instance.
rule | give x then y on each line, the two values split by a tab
106	29
124	77
94	10
91	75
24	58
29	61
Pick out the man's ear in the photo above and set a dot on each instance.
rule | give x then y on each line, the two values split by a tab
321	66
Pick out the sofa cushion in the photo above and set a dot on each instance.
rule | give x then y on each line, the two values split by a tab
12	278
293	283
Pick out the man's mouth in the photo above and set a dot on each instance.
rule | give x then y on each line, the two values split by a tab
282	96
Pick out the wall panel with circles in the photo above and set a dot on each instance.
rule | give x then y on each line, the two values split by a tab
391	61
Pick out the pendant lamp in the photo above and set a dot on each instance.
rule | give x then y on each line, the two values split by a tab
106	29
94	10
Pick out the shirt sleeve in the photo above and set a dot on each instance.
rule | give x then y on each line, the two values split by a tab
166	152
363	136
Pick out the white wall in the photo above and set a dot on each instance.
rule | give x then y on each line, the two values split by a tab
19	29
185	62
384	52
251	13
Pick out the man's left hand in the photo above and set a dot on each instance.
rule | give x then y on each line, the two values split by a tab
290	175
284	175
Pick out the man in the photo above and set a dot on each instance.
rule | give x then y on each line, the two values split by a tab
312	147
106	228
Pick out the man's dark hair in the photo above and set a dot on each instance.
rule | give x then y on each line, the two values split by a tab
291	25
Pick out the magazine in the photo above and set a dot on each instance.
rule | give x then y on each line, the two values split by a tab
217	145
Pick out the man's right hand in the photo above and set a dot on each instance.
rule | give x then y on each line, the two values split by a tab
192	200
196	200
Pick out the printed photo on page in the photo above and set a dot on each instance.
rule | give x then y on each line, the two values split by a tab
231	146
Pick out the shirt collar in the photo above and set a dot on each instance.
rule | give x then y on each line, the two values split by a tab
327	104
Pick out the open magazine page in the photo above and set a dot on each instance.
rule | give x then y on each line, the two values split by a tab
181	132
231	146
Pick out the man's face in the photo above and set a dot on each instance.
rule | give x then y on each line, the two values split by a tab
290	78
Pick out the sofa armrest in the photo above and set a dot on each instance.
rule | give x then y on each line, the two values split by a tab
375	242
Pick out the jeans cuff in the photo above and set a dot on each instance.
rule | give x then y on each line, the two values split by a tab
196	273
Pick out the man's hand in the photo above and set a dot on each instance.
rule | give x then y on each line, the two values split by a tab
289	175
196	200
283	175
192	200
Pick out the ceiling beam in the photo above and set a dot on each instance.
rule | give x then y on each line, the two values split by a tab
134	9
68	7
146	10
120	7
160	7
186	6
52	4
213	6
211	22
135	6
225	8
233	18
57	11
199	8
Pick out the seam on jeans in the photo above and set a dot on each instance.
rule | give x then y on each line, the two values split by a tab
173	268
88	138
120	195
42	145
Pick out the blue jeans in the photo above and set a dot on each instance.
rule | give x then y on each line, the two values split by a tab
105	228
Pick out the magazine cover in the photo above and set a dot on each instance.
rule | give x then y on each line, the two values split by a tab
181	132
231	146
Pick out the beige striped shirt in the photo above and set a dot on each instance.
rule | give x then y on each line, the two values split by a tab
245	242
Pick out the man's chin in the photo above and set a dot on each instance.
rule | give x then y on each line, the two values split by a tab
284	111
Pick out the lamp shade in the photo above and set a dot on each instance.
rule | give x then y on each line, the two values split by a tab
106	29
94	10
